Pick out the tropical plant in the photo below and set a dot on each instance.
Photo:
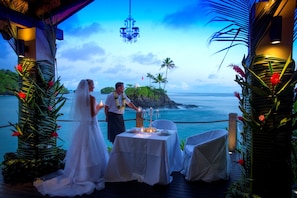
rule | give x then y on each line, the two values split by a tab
8	82
267	95
157	79
40	101
168	64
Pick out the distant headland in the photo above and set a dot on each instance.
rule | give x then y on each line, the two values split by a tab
147	97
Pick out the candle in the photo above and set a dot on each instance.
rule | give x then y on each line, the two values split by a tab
101	103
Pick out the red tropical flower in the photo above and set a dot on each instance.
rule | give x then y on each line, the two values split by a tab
241	162
54	134
275	78
50	84
22	95
262	118
19	68
50	108
236	94
240	118
16	133
239	70
59	126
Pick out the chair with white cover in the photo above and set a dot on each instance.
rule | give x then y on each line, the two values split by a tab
164	124
206	156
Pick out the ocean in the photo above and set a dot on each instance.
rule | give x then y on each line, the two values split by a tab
211	107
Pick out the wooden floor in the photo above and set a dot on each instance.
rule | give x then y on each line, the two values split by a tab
177	188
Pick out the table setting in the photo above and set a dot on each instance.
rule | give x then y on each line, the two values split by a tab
148	155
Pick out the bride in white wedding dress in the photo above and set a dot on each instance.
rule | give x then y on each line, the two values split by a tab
87	155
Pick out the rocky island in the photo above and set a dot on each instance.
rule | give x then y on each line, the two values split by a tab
163	101
147	97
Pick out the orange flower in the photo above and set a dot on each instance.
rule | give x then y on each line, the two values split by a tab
262	118
275	78
19	68
22	95
54	134
16	133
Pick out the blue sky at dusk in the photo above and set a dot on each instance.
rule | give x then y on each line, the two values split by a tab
92	47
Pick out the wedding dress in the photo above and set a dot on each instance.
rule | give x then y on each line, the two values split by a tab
86	157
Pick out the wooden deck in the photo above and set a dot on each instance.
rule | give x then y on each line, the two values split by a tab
178	188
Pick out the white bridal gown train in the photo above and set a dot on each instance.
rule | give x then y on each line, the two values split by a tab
86	161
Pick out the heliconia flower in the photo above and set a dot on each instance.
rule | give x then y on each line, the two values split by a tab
16	133
241	162
50	83
22	95
19	68
236	94
54	134
240	118
275	78
262	118
50	108
239	70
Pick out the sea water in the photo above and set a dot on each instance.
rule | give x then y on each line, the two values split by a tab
212	112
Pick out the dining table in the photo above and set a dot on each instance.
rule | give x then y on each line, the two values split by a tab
148	157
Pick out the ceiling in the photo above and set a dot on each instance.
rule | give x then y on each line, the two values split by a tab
29	12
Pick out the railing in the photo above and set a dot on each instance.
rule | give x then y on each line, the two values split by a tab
232	126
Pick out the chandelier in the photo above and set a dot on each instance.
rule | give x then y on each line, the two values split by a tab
129	32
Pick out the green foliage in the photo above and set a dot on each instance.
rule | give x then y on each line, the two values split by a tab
106	90
40	98
16	169
8	82
145	91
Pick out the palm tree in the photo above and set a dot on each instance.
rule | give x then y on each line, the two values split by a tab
168	63
157	79
266	142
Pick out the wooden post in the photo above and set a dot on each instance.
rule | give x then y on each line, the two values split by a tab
232	131
139	119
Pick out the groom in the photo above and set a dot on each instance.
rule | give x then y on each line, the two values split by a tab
114	110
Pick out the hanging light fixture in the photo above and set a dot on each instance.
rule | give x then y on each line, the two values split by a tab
129	32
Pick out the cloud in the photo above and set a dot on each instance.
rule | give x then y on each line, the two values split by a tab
117	70
83	32
185	17
146	59
84	52
212	76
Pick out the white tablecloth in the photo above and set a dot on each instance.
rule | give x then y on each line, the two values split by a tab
146	157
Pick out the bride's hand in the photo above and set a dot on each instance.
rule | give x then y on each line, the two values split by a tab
99	106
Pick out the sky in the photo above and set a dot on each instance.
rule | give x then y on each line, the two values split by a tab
92	47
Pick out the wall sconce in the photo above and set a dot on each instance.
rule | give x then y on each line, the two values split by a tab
276	30
21	48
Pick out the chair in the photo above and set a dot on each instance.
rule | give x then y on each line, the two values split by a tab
164	124
206	156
